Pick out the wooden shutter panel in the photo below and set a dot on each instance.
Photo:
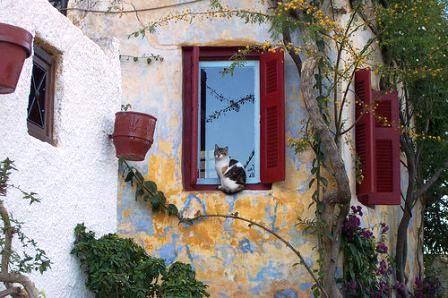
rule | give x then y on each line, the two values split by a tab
272	117
387	151
190	69
364	141
377	143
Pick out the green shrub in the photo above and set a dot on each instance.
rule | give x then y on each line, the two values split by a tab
117	267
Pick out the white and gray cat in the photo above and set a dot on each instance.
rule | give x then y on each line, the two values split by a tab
231	172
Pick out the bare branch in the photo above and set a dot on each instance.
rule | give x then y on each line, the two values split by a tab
20	279
122	11
433	179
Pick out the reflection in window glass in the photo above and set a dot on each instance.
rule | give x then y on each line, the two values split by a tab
229	116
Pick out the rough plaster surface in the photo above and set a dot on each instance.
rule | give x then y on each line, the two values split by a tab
233	259
76	178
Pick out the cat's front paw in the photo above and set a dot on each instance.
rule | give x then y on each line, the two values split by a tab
219	187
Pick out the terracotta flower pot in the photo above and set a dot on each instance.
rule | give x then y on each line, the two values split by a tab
15	47
133	134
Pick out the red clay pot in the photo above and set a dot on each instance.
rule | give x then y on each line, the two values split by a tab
133	134
15	47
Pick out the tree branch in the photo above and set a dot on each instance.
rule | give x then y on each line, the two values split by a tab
12	291
433	179
329	148
122	11
20	279
7	247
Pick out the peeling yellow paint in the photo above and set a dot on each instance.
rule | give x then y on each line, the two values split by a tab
235	260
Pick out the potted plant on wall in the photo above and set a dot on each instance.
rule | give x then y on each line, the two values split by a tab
15	47
133	134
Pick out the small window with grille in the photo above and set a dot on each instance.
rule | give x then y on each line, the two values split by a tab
40	102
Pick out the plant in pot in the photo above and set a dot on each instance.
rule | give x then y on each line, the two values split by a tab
133	134
15	47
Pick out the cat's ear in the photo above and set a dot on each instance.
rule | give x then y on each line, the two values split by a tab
216	147
226	148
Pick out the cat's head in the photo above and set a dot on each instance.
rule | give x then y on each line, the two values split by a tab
221	153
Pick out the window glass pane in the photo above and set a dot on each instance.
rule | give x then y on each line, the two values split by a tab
36	101
228	116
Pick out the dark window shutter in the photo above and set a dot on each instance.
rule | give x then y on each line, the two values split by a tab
364	132
387	143
377	143
190	67
272	117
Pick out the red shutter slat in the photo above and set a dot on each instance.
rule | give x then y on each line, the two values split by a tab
377	143
272	117
190	69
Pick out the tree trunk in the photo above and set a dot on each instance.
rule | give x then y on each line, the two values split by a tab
329	253
336	206
400	251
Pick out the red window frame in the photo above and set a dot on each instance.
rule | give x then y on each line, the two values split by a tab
272	115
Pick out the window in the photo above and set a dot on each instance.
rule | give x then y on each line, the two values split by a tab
40	102
377	137
243	111
229	106
60	5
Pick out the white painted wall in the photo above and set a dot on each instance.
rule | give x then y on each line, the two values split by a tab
77	178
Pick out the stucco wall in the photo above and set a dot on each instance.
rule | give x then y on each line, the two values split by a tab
76	178
233	259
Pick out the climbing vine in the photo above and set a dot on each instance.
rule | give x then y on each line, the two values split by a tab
368	269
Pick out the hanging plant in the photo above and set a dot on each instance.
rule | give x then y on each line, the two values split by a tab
133	134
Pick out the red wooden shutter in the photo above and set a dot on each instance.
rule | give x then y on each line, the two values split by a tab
387	151
272	117
190	69
365	145
377	143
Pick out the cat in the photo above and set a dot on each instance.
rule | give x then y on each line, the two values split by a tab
231	173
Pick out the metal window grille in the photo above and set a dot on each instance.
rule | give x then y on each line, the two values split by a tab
40	102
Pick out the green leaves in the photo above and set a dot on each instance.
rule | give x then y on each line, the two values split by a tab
172	209
180	281
147	190
118	267
30	257
151	186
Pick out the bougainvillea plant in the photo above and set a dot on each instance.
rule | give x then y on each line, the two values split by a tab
367	267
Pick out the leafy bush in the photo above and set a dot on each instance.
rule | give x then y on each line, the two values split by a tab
118	267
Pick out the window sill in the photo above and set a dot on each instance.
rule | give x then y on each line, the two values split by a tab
213	187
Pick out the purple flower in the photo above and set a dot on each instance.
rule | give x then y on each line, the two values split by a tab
351	224
357	210
366	234
381	248
383	268
384	228
399	286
